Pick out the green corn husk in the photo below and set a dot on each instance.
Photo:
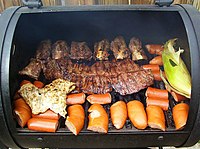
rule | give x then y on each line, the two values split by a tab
175	69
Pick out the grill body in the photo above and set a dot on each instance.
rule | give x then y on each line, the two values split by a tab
21	29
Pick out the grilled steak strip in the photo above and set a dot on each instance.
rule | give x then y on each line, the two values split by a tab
101	50
135	47
33	69
124	76
44	50
35	65
52	70
119	48
80	51
60	50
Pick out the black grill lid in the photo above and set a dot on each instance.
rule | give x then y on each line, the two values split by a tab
9	135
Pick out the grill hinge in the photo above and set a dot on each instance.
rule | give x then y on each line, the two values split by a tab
162	3
32	3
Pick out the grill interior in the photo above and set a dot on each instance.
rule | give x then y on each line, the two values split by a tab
150	27
128	127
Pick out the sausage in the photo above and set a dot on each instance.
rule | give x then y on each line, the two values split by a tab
152	67
156	60
24	82
118	112
75	118
178	97
98	119
156	93
99	98
21	111
43	125
75	99
156	118
49	114
22	116
163	103
180	115
155	69
38	84
21	103
156	75
16	96
155	48
137	114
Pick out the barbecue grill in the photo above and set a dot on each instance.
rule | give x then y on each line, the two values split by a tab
22	28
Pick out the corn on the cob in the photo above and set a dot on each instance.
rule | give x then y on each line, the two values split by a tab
175	69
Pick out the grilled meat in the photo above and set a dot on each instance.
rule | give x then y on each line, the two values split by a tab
101	50
44	50
35	66
135	47
60	50
119	48
132	82
124	76
52	69
96	84
33	69
80	51
52	96
59	68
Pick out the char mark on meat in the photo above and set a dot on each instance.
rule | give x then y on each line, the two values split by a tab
129	65
132	82
80	51
87	86
135	47
101	50
60	50
126	65
33	69
124	76
119	84
35	66
44	50
52	70
96	84
58	68
97	68
119	48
